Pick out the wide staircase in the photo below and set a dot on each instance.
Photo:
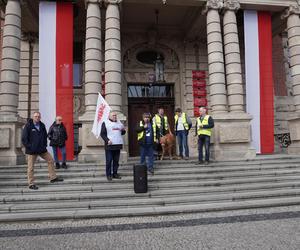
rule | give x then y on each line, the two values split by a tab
176	187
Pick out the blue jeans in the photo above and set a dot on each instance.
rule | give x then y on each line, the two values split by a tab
112	161
63	152
183	142
147	150
203	140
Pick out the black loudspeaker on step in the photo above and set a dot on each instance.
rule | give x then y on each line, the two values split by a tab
140	178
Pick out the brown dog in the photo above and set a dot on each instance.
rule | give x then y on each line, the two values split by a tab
167	143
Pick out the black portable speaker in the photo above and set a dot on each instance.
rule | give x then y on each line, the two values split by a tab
140	179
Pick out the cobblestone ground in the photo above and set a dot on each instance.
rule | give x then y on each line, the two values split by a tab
275	228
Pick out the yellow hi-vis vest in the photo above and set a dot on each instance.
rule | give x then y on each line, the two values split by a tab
184	121
203	131
140	135
157	121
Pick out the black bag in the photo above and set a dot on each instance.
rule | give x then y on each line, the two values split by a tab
140	178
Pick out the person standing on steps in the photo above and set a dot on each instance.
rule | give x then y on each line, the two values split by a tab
146	135
111	132
58	135
182	126
160	121
34	138
204	125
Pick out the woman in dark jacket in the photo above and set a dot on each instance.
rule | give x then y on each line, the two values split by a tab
58	135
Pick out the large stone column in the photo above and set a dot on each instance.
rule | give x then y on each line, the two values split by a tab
10	122
231	134
113	82
233	57
113	62
91	147
217	91
293	29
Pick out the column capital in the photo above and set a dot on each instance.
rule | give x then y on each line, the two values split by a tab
113	1
93	1
292	10
232	5
213	5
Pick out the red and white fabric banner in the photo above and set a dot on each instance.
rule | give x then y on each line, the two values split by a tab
56	66
101	115
259	79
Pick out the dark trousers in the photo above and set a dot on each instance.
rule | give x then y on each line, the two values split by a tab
183	142
63	152
112	161
146	150
203	140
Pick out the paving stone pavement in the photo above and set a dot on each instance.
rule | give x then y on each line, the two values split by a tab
273	228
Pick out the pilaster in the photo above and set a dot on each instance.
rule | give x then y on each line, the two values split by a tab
293	30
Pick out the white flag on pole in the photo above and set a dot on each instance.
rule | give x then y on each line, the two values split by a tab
101	115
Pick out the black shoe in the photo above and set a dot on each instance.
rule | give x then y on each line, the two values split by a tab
109	178
33	187
200	162
206	162
57	166
116	176
57	179
64	165
151	171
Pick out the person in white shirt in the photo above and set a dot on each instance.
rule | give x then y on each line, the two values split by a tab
111	132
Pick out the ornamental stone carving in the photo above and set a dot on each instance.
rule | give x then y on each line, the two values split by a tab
214	4
293	9
232	5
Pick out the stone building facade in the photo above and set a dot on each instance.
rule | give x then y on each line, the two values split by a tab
116	45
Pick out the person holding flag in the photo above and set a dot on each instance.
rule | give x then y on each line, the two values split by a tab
111	130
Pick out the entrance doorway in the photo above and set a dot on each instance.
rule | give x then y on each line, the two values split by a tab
144	98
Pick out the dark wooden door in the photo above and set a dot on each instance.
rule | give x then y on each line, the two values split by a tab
136	108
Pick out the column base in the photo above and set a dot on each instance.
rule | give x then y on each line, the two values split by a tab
93	150
232	137
10	143
294	124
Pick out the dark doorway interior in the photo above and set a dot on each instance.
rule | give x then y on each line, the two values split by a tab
145	98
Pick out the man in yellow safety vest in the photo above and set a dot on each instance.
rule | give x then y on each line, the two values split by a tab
204	125
182	127
160	121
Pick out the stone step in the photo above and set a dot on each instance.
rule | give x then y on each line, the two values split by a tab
129	194
167	163
163	170
141	200
163	174
149	211
155	180
171	187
